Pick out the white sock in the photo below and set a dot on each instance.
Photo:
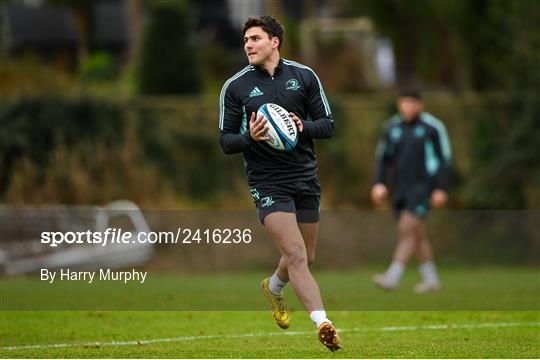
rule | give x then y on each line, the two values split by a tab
395	271
276	285
428	270
319	317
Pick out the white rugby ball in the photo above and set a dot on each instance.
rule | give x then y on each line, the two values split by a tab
282	131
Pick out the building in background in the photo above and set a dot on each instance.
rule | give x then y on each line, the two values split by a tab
345	50
50	32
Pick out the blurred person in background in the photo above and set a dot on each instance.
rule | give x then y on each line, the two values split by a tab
283	184
415	148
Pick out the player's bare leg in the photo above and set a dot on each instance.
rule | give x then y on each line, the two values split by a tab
408	236
424	253
288	236
284	229
273	286
408	228
310	233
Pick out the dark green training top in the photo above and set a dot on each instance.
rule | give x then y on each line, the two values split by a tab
297	89
418	153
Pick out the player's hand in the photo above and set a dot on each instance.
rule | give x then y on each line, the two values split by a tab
257	128
439	198
297	121
379	192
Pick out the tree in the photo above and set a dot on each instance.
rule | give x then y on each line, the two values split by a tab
504	55
169	62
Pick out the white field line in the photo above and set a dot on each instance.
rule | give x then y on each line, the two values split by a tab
289	333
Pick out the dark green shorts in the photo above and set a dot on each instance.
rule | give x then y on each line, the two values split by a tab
301	197
419	206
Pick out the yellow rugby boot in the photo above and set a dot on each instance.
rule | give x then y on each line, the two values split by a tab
329	337
281	314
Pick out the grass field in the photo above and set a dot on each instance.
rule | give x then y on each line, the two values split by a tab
508	327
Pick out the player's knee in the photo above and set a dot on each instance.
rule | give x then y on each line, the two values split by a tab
406	229
296	259
410	241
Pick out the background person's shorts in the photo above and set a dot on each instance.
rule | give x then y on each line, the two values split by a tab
419	206
300	197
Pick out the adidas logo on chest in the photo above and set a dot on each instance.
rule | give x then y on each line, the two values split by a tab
256	92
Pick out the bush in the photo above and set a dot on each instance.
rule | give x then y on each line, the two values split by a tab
44	133
506	153
99	66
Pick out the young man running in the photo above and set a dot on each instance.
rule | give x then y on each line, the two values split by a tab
283	184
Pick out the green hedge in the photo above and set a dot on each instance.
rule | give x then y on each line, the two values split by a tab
41	136
165	151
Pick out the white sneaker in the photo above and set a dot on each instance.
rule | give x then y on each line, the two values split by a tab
425	287
384	283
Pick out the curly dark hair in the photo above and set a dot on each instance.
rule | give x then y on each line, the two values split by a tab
269	24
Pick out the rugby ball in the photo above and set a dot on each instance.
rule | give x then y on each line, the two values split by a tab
282	131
